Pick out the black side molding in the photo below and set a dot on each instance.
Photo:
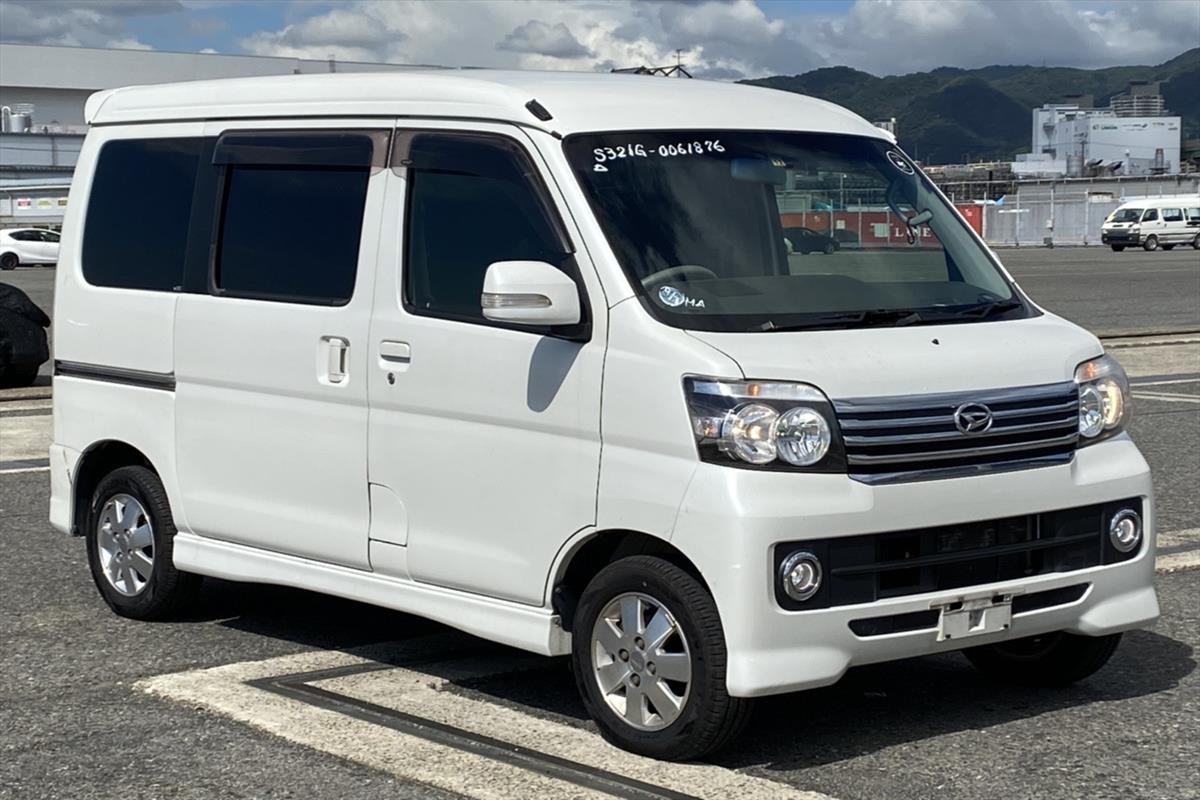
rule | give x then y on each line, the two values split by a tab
128	377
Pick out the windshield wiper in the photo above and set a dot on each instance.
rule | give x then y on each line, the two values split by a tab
987	309
878	318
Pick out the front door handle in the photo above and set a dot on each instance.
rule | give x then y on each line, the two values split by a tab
395	352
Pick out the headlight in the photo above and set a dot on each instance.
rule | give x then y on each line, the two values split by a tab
1103	399
772	425
1135	228
802	436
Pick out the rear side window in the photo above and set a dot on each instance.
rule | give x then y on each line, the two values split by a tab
1172	215
136	228
292	215
472	200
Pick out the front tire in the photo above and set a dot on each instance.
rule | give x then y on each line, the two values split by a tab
829	249
1055	659
649	659
1150	244
9	261
130	543
1196	242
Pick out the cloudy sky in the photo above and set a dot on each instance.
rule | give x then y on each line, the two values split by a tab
719	38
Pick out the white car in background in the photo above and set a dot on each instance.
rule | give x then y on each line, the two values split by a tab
27	246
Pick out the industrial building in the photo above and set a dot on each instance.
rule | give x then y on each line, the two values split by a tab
42	94
1131	137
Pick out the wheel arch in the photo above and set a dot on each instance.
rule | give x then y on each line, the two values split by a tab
96	461
590	554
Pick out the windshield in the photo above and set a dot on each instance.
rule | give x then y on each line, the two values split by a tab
755	231
1127	215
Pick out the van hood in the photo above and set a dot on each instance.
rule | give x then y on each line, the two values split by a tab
922	359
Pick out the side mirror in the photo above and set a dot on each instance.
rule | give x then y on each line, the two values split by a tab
529	293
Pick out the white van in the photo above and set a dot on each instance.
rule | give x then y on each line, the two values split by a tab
1153	223
527	354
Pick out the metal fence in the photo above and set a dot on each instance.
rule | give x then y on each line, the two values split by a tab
1067	211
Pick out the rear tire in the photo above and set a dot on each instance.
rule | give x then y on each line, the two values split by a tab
829	249
1055	659
679	620
1150	244
9	261
130	543
1117	248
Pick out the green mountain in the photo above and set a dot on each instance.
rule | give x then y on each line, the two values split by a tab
950	115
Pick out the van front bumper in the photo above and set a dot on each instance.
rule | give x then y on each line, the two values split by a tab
732	519
1120	237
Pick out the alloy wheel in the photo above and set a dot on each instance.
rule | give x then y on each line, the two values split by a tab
125	541
641	661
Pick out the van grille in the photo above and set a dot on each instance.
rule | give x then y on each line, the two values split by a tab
894	439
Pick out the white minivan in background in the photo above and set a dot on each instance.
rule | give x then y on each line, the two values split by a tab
1153	223
528	354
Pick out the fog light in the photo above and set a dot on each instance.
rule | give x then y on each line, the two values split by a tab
1125	530
801	575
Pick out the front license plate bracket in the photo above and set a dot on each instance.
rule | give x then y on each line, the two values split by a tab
965	618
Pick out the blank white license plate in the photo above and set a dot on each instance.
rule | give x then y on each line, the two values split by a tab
962	620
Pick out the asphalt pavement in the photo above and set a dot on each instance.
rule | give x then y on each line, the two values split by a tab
75	725
1112	293
95	706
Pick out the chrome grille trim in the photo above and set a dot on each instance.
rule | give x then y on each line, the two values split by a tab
907	422
966	452
954	436
908	438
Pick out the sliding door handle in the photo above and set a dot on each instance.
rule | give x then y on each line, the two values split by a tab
395	352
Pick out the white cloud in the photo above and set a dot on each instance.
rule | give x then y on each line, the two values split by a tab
127	43
721	39
717	38
891	37
538	37
80	23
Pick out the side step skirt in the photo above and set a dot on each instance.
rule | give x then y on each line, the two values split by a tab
537	630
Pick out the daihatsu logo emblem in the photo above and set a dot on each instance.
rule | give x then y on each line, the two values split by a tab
972	418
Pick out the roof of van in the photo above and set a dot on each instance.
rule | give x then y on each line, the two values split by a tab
576	101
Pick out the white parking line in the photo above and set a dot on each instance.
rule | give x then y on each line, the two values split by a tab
422	692
1177	562
1170	398
1137	384
1183	536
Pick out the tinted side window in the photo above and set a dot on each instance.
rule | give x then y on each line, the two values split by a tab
473	200
1193	215
1150	215
1172	215
290	228
135	231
